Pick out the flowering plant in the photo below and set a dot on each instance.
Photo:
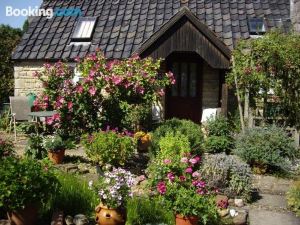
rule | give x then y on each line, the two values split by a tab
114	188
105	86
6	148
53	143
185	192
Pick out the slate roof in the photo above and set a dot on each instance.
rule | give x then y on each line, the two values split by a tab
124	25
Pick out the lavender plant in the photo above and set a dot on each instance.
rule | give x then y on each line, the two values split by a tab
114	188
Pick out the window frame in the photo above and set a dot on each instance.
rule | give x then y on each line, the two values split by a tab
257	21
75	36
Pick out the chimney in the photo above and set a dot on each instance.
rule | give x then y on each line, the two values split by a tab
295	14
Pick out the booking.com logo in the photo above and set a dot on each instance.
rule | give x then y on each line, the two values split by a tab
48	13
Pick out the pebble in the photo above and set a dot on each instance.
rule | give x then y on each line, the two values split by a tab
238	202
69	220
223	212
240	219
80	219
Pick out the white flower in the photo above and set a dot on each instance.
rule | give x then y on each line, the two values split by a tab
90	184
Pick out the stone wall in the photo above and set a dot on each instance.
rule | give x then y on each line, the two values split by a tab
295	14
25	82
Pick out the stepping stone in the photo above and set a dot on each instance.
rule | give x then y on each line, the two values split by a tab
267	217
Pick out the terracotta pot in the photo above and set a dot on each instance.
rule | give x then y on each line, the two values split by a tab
189	220
106	216
26	216
56	156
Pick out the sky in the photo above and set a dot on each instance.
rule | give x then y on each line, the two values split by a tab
16	21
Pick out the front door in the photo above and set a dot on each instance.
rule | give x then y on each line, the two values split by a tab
184	99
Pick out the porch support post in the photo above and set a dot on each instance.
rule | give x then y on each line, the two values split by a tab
224	101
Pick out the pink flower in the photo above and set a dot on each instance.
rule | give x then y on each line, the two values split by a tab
47	65
196	174
189	170
46	98
70	105
161	188
184	160
182	178
198	158
49	120
171	176
200	191
77	59
56	117
79	89
92	90
167	161
117	80
193	161
140	90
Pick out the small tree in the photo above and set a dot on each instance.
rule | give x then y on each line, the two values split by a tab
9	38
264	64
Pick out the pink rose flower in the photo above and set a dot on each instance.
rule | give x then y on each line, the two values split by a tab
196	174
193	161
171	176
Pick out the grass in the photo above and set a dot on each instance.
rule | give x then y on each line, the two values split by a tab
74	196
143	210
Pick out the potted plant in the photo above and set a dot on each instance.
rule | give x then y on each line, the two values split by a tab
113	190
25	184
55	147
143	140
184	191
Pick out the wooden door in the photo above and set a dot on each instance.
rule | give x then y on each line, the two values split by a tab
184	99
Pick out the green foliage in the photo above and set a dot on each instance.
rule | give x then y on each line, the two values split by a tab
53	143
109	147
27	128
4	119
271	62
228	174
6	148
218	126
218	135
25	181
34	148
217	144
188	203
293	197
172	148
145	210
191	130
265	146
9	38
74	196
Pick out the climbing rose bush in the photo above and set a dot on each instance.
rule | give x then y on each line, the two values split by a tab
106	86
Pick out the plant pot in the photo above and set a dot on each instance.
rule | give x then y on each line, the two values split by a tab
56	156
26	216
186	220
106	216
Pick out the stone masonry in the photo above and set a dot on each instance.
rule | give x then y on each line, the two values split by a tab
25	82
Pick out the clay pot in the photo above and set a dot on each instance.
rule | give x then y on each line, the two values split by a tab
26	216
106	216
56	156
186	220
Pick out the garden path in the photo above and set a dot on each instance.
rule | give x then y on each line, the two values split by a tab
271	206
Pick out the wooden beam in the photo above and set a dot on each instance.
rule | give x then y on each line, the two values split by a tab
224	103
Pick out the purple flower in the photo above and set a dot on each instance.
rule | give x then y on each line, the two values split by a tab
189	170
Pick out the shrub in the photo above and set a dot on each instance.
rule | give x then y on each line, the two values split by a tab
218	135
268	147
173	148
74	196
190	129
145	210
293	197
227	173
6	148
25	181
34	148
53	143
217	144
218	126
109	147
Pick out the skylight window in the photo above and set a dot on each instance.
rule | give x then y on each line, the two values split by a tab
84	29
256	26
